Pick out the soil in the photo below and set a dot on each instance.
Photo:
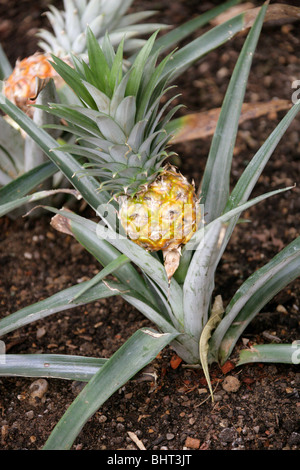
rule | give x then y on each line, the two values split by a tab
169	408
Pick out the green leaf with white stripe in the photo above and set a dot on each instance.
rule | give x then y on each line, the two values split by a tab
55	366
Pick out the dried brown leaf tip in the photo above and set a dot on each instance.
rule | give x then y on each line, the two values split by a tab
171	262
201	125
61	224
277	12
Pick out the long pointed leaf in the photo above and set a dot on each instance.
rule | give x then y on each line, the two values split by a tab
58	303
150	312
199	282
10	206
85	233
251	297
150	266
110	268
249	177
139	65
27	182
170	39
244	187
5	66
220	34
187	252
86	185
72	78
207	42
50	365
224	218
64	300
138	351
216	178
279	353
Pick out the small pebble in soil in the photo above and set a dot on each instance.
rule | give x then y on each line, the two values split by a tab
231	384
40	332
38	389
218	397
102	419
120	427
192	443
227	435
29	414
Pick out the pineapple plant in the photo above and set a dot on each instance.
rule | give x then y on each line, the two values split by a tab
124	140
68	36
120	158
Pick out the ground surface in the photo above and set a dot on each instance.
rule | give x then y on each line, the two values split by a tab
173	412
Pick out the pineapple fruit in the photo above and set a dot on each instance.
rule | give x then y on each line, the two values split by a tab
22	85
121	133
163	215
69	37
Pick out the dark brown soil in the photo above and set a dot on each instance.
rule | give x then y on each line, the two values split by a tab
174	412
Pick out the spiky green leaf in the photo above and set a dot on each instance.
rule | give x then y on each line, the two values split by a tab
141	348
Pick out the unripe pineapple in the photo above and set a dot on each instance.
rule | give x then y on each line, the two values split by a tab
122	135
163	216
69	37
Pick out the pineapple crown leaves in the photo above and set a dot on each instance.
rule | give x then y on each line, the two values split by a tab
120	127
69	25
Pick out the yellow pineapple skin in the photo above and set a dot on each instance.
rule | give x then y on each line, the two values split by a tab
20	86
163	216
